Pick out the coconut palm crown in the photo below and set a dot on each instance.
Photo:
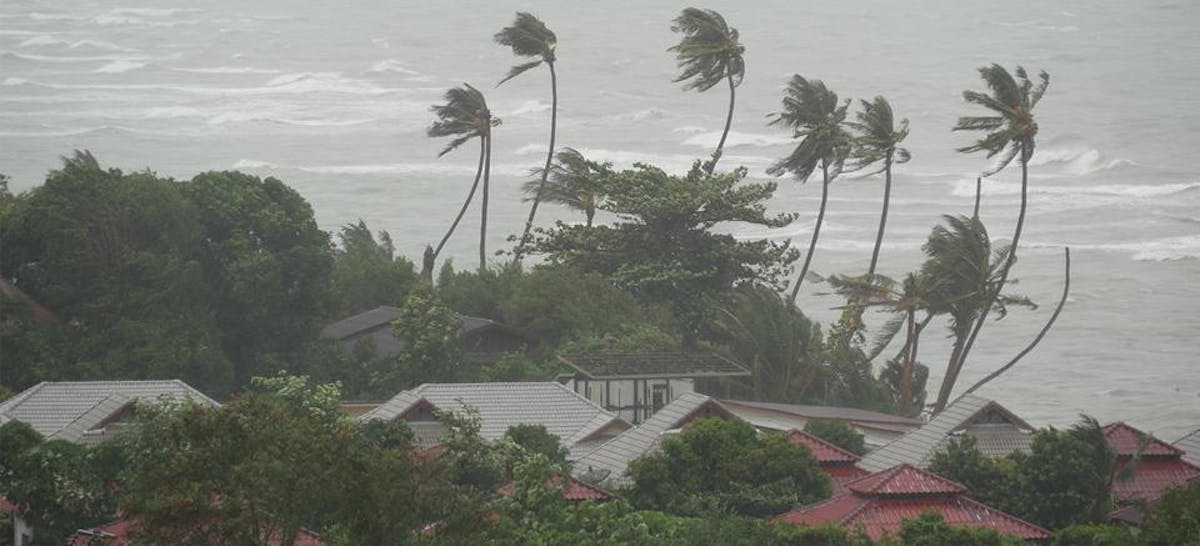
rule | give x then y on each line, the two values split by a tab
464	116
877	143
574	181
709	53
528	37
1012	129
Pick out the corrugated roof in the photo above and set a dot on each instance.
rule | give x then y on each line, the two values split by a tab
564	413
67	407
1128	441
652	365
967	413
1190	445
824	451
880	503
615	455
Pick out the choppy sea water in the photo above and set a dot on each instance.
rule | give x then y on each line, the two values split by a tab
333	98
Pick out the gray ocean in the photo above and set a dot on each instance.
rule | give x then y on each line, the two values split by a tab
333	98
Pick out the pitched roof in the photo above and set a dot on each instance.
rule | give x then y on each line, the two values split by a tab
501	405
1190	445
386	314
613	457
969	414
1127	440
784	417
652	365
824	451
880	503
576	490
68	409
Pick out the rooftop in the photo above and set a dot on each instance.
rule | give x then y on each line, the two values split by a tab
386	314
652	365
1128	441
824	451
1190	444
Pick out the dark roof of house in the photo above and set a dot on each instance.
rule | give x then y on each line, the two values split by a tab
652	365
386	314
67	410
997	431
878	504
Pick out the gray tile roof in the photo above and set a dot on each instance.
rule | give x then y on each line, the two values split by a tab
67	409
652	365
998	429
1190	445
785	415
564	413
385	314
613	457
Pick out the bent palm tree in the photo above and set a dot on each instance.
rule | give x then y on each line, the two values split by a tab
1010	134
573	182
464	116
816	117
529	37
877	140
708	53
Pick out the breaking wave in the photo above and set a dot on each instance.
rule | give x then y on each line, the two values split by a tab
736	139
966	188
228	70
117	67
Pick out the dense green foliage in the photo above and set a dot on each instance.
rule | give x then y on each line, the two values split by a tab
839	434
717	466
535	439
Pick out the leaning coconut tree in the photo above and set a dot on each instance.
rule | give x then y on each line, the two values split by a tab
1010	133
877	141
575	182
708	54
817	119
465	116
528	37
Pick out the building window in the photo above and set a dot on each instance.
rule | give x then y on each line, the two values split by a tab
658	397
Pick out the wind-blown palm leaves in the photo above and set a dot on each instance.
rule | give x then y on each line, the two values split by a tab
1010	134
966	274
877	142
529	37
464	116
708	53
574	181
815	116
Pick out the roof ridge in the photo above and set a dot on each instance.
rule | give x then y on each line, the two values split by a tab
963	497
15	401
825	443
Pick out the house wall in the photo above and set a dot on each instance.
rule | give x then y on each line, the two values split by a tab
632	400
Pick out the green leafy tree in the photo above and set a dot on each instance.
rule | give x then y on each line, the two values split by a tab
1098	535
839	434
574	181
663	249
535	439
815	116
464	116
987	479
529	37
932	530
367	272
1011	132
716	465
1175	519
430	340
709	53
877	141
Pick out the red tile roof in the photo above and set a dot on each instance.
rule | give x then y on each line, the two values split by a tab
878	504
843	474
824	451
7	506
576	490
1126	440
1153	477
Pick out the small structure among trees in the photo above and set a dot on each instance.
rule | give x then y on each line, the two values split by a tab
370	334
1146	468
838	464
637	385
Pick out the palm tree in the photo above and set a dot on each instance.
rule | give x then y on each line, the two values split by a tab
816	117
964	272
708	53
573	181
1010	134
464	116
877	141
529	37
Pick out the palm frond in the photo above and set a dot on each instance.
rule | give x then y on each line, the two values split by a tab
518	70
464	115
1011	131
528	36
709	51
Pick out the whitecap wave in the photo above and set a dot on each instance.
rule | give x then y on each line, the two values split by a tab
228	70
529	107
172	112
688	130
1076	160
966	188
306	83
639	116
392	65
154	12
72	58
118	67
1167	249
736	139
261	116
429	169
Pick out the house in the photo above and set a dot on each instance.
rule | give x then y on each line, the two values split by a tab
118	533
636	385
88	412
609	461
370	335
1190	445
579	424
576	490
878	429
22	532
996	430
837	463
879	504
1157	466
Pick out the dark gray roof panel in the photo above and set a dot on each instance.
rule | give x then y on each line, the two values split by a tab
652	365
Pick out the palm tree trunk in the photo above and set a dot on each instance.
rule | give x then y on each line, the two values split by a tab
1012	258
487	171
712	165
463	210
537	199
978	192
961	333
906	374
887	194
812	245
